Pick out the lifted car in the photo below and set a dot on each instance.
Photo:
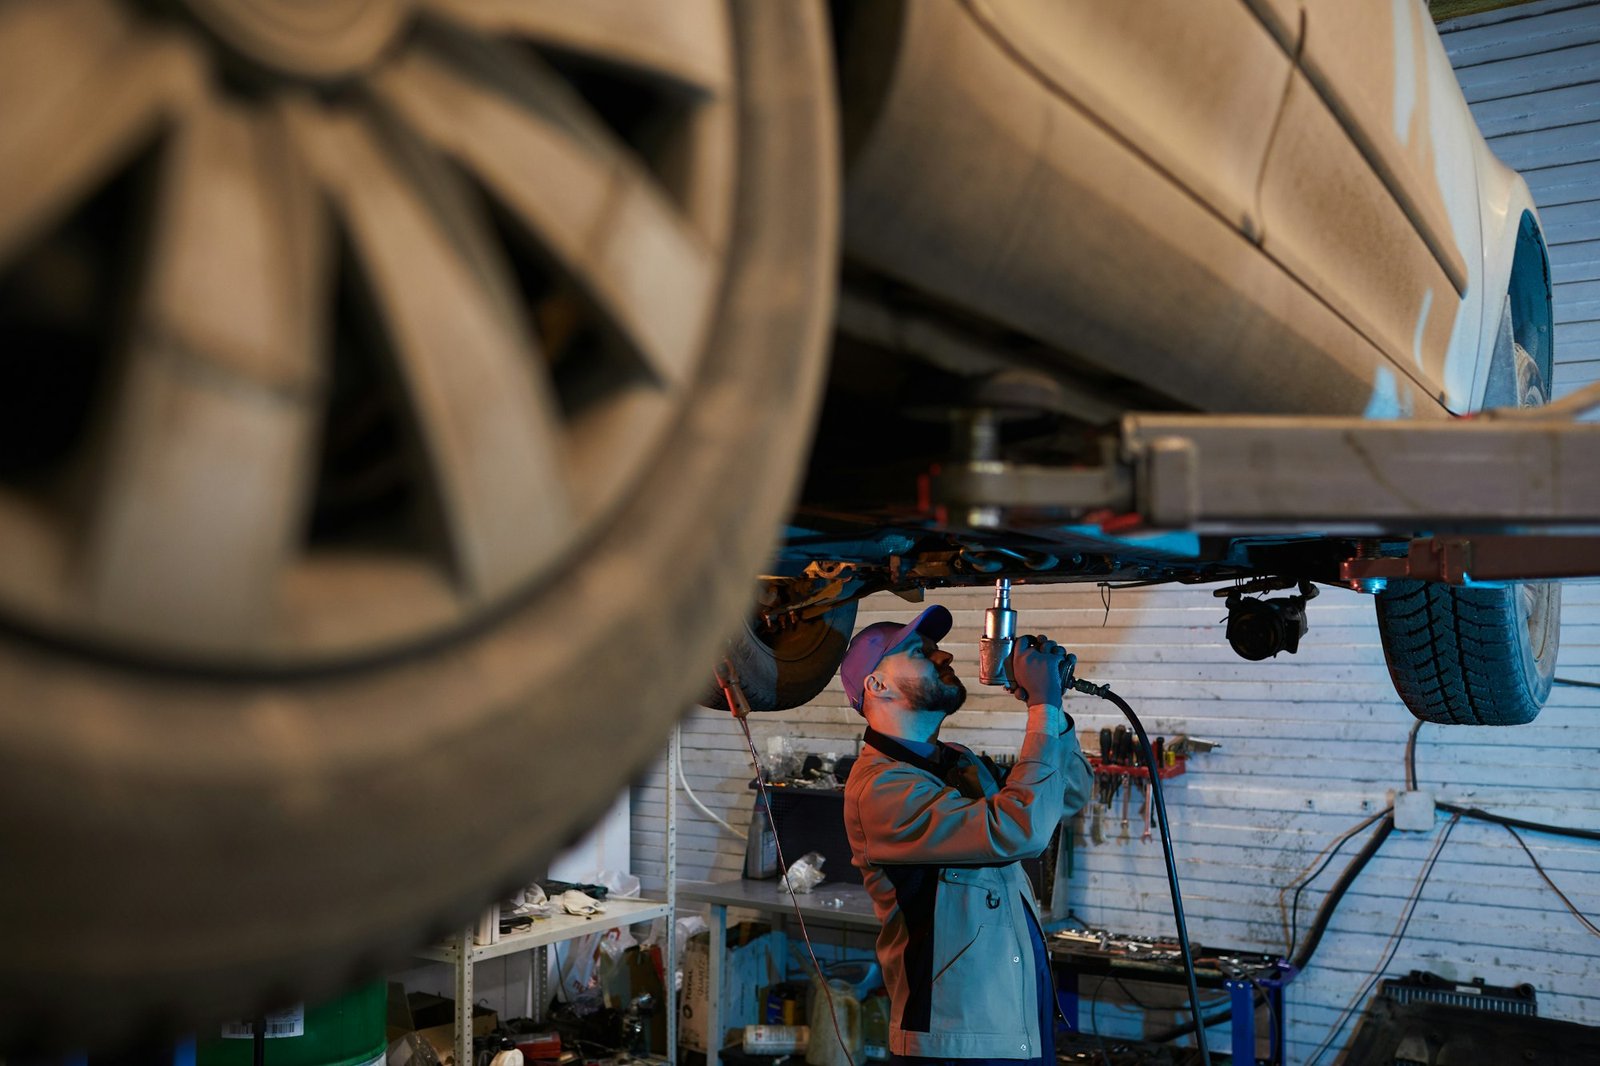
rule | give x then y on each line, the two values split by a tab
1092	219
401	396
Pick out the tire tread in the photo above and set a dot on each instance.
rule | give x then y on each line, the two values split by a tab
1456	654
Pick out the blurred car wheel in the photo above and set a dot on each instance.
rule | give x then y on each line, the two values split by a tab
399	398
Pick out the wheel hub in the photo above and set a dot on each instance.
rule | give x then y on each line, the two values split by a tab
306	38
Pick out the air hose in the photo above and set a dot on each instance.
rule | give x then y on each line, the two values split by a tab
1105	693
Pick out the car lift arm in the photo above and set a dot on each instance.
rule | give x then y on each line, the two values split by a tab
1503	496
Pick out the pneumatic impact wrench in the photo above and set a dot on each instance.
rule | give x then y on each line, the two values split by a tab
1000	639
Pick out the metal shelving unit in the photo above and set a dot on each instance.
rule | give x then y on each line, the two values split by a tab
462	951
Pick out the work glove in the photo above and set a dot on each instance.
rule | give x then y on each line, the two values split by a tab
1041	668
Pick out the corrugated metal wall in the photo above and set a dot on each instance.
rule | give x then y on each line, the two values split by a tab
1312	743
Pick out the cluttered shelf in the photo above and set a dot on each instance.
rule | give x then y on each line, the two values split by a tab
555	929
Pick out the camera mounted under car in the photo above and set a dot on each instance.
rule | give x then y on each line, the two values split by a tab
1261	628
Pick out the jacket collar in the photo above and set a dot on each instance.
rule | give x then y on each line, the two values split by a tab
944	758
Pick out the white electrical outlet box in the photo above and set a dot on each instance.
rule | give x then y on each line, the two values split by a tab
1413	811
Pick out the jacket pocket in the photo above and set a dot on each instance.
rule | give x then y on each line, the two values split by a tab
976	985
945	958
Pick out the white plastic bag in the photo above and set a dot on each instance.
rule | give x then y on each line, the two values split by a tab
805	873
578	961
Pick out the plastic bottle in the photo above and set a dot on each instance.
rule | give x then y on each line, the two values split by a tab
775	1039
761	848
825	1050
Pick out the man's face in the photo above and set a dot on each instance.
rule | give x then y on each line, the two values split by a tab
921	672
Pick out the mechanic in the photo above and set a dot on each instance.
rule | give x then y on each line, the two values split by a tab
939	836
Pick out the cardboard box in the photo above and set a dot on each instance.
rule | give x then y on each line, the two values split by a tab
433	1019
748	970
442	1038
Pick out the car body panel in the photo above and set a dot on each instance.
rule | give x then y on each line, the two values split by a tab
983	183
1198	99
1332	223
1369	62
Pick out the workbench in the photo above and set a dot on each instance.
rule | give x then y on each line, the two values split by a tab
1157	960
835	906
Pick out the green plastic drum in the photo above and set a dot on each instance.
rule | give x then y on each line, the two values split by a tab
348	1031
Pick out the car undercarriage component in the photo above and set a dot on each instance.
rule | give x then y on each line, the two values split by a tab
1253	475
1480	558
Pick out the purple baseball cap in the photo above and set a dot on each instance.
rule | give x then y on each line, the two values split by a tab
868	647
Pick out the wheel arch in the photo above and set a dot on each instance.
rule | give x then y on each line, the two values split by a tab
1532	318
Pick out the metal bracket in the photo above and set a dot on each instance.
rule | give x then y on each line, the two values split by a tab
1485	558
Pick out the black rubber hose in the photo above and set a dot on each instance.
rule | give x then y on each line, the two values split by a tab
1105	693
1331	903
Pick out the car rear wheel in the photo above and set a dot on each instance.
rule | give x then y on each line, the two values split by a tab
787	663
1474	656
400	395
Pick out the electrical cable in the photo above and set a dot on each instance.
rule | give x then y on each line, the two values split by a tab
707	811
1576	913
1486	816
1573	681
1520	823
1328	853
1275	1022
1148	1007
1156	792
1094	1027
1411	756
1393	945
1188	1027
783	866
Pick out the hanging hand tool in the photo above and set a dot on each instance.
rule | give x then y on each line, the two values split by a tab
1146	836
1103	782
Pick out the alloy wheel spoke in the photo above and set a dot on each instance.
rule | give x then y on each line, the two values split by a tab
487	419
683	41
80	89
209	457
577	189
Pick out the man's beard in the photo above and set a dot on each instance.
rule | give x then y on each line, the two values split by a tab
946	697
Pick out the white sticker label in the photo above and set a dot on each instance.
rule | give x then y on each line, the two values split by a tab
290	1022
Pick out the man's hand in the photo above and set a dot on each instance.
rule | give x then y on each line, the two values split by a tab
1040	666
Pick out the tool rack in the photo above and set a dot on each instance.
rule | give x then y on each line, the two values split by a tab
1172	768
